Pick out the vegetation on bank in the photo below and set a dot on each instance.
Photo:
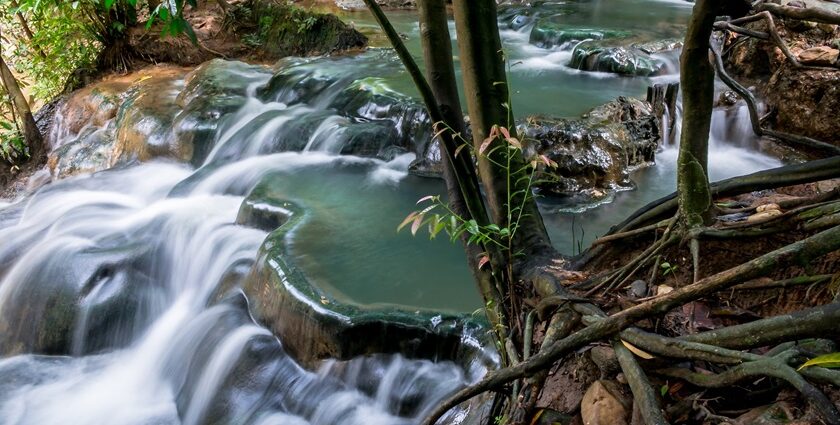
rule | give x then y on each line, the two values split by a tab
56	46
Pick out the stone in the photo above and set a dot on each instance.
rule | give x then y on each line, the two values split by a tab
601	407
762	216
663	289
728	98
604	357
595	153
767	207
820	55
599	56
638	289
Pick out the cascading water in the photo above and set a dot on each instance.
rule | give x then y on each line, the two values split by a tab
119	290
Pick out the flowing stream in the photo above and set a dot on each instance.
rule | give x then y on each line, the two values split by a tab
127	280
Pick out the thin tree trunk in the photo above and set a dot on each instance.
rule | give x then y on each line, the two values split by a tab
487	94
30	131
27	30
440	74
697	82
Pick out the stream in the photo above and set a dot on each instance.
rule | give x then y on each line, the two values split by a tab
120	299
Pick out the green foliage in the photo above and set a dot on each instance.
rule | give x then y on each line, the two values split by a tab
438	217
831	361
12	143
68	35
668	268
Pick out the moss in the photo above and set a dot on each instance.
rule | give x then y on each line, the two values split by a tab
277	30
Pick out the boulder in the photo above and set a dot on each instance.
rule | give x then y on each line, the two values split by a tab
603	57
594	154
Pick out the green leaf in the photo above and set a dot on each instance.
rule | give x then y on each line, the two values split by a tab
830	361
109	4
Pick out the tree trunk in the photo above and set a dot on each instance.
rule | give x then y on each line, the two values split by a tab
440	74
30	131
27	30
488	102
697	81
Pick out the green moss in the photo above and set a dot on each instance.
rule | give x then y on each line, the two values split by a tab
277	30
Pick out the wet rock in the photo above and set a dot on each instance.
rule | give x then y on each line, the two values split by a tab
727	98
659	46
601	407
97	303
314	325
594	154
820	56
551	31
601	57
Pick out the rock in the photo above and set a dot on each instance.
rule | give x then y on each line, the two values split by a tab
663	289
594	153
638	289
767	207
598	56
727	98
315	325
827	28
762	216
601	407
659	46
820	55
551	32
604	357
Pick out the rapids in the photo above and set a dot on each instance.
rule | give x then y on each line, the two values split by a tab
119	290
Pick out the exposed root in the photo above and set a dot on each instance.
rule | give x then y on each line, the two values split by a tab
604	327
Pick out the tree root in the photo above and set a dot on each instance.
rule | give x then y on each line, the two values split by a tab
809	323
643	392
809	248
814	14
775	367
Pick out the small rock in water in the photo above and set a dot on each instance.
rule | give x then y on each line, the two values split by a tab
601	407
638	289
820	55
728	98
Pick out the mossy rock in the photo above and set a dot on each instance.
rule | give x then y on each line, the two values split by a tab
601	57
280	30
314	325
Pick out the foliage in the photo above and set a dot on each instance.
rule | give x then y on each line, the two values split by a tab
69	35
437	216
831	361
12	143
